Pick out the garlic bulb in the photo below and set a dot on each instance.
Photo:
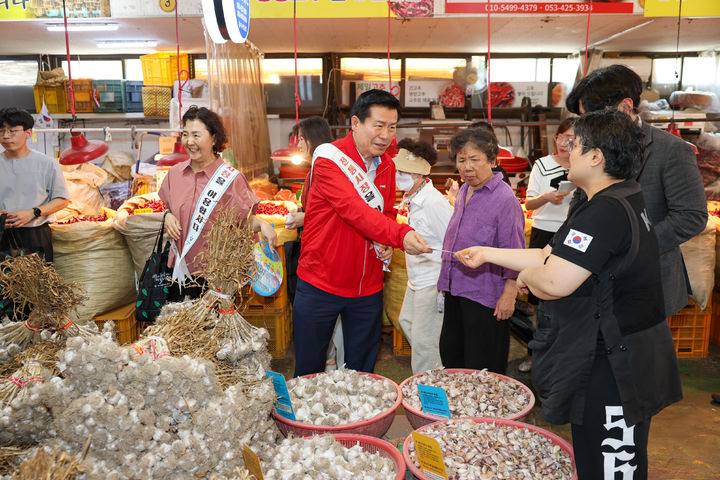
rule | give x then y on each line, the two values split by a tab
340	397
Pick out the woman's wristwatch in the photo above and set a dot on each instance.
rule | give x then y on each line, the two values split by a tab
37	212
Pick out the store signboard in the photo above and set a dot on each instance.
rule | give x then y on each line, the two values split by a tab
237	19
320	8
419	93
361	87
511	94
537	7
52	9
690	8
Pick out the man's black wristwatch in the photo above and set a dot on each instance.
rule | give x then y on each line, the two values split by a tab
37	212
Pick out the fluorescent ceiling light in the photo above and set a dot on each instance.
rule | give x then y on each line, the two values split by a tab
82	27
127	44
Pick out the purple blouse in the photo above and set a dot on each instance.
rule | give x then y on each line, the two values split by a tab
493	217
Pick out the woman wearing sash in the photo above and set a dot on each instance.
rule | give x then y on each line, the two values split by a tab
193	188
478	302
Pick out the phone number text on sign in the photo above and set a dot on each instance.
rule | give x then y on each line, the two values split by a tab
542	8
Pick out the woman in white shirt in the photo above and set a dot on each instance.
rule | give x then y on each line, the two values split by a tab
429	213
544	198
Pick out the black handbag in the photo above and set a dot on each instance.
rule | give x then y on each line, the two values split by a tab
155	281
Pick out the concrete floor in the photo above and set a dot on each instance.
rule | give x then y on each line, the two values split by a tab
684	438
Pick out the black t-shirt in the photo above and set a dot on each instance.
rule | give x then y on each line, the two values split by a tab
597	236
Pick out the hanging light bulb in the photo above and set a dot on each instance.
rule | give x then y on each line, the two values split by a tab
82	150
287	153
179	155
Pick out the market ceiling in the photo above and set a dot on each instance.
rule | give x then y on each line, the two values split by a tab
562	34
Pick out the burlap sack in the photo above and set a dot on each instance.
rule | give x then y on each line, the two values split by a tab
394	289
83	182
118	166
95	256
699	256
140	230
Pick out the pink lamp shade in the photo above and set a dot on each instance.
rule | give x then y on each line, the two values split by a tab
179	155
82	150
286	153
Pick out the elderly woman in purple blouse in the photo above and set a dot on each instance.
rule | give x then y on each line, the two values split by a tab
478	302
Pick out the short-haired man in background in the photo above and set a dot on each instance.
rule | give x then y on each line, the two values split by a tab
669	177
350	228
32	186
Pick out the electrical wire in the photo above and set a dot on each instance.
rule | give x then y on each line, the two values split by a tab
587	41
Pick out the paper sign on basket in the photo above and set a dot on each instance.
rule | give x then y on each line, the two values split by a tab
429	456
269	275
252	462
434	400
283	406
142	210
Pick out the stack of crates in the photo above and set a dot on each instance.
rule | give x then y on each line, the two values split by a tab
160	70
133	95
271	313
690	329
55	98
110	96
83	93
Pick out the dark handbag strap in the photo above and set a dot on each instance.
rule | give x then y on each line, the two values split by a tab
159	240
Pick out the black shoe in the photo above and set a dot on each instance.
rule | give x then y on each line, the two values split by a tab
716	398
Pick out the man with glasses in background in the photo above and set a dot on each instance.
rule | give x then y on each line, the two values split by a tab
669	175
32	187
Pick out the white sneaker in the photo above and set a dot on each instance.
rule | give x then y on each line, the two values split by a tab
526	365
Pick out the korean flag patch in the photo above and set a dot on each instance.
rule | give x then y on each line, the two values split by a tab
578	240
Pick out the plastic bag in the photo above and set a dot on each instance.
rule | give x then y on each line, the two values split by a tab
699	256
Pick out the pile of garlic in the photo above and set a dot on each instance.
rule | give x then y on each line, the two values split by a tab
163	417
485	451
323	457
340	397
477	394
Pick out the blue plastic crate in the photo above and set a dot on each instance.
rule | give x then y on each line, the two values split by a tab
110	95
133	96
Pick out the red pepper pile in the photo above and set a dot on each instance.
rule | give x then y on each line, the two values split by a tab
715	212
158	206
412	8
272	209
93	218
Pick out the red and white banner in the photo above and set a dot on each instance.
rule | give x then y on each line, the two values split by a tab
539	7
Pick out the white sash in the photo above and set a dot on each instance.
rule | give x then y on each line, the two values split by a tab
363	185
209	198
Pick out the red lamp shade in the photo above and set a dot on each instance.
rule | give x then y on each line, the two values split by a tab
286	153
82	150
179	155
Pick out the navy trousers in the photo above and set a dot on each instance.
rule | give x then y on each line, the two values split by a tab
315	312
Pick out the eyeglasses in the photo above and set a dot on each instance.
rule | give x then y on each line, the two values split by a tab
563	138
571	144
10	132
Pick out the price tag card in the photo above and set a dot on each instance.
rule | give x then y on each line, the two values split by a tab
142	210
166	145
252	462
283	406
434	400
429	456
269	275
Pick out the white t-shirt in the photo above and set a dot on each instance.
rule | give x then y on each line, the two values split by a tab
429	216
546	176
